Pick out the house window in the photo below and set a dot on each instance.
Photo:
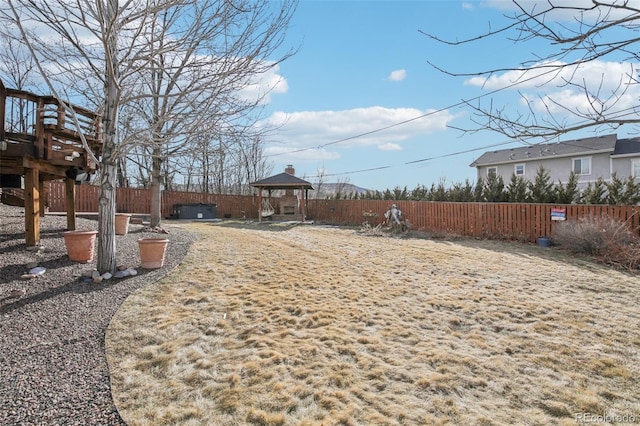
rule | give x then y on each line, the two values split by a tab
519	169
492	171
635	167
582	166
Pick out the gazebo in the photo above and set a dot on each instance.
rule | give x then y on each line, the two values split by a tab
289	206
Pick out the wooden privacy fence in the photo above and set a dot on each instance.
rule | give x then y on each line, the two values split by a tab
517	221
132	200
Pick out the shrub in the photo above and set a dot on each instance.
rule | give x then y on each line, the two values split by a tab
367	229
609	240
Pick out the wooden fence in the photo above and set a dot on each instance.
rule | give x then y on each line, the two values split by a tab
132	200
517	221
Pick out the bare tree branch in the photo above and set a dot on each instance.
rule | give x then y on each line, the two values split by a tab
598	30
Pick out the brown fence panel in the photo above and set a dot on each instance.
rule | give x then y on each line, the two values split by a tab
230	206
518	221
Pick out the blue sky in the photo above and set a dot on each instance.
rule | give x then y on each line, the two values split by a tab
363	66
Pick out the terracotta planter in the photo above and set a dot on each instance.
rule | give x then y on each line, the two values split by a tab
122	223
80	245
152	252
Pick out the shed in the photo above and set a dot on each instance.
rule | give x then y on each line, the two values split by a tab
291	205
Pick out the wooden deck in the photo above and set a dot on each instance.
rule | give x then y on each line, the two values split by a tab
40	141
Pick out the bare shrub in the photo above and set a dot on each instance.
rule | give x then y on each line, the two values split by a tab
609	240
367	229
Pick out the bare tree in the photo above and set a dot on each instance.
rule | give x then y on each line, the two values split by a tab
577	33
156	58
196	81
17	66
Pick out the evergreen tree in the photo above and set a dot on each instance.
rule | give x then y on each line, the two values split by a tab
594	194
631	191
461	193
400	193
419	193
477	191
493	191
569	193
615	190
541	189
439	192
517	189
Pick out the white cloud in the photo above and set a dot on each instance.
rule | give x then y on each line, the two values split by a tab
285	154
543	92
567	10
397	75
321	134
265	85
549	74
390	147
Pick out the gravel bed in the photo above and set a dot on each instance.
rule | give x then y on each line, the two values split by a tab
53	369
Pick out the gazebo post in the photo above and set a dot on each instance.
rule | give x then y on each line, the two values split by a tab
302	203
259	204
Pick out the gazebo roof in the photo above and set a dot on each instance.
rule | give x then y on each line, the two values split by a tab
282	181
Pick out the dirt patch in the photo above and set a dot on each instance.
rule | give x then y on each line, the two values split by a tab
319	325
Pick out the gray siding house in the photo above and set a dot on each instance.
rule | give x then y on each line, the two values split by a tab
590	158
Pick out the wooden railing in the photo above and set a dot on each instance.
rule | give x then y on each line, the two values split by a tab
524	222
41	128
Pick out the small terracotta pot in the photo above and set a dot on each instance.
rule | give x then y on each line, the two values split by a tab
152	252
122	223
80	245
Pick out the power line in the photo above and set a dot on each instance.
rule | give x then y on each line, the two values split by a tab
437	111
411	162
462	152
456	105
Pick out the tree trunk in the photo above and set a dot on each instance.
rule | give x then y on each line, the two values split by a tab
156	186
108	171
106	217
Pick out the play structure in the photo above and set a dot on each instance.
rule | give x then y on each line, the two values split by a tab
40	141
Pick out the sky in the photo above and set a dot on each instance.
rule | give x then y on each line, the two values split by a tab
362	103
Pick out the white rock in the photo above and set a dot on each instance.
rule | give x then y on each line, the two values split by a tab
107	276
38	270
95	274
132	272
120	274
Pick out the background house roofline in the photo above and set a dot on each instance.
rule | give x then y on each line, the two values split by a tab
570	148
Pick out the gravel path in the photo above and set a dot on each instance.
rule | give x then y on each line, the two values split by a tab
53	369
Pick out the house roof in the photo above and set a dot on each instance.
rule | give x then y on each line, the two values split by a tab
627	147
282	181
557	149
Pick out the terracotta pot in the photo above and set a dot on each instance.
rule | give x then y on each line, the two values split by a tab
80	245
152	252
122	223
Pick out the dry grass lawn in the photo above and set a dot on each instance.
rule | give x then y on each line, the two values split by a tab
309	325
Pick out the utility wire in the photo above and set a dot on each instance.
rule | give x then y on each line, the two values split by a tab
452	106
437	111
